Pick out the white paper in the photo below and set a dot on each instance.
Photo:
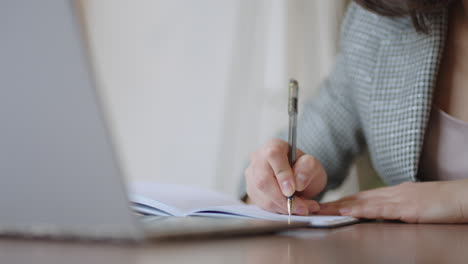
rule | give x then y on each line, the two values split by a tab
253	211
177	200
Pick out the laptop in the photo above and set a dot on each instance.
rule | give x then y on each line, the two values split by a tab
60	175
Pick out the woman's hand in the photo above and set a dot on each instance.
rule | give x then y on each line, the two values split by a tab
428	202
269	179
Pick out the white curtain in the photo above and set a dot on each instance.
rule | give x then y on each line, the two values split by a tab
277	40
191	87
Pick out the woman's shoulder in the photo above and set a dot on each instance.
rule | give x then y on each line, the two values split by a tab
363	26
362	34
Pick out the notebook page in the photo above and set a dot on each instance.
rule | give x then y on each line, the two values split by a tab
253	211
143	205
177	200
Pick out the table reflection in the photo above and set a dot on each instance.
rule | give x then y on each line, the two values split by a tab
367	243
362	243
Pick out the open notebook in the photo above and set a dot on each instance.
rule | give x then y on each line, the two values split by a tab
176	200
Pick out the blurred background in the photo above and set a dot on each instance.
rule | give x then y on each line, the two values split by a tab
192	87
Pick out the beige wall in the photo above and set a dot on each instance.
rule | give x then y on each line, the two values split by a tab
192	87
161	69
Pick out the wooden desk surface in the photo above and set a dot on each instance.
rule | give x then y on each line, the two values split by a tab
361	243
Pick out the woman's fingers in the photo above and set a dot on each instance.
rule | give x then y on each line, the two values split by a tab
384	192
310	176
276	155
304	206
341	207
378	208
264	202
263	188
304	171
312	205
267	195
371	210
264	191
270	179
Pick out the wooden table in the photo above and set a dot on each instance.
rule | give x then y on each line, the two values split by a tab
362	243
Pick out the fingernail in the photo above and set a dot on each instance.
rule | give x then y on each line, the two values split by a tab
345	211
301	182
287	188
300	210
314	208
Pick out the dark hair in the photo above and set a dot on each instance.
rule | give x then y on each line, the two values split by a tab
419	10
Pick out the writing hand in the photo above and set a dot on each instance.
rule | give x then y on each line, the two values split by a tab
269	179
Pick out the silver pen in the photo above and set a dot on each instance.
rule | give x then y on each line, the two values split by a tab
292	111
